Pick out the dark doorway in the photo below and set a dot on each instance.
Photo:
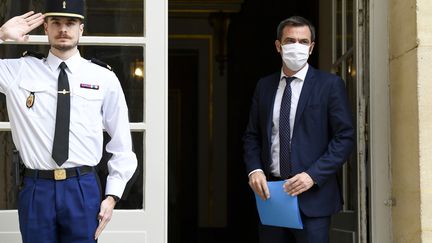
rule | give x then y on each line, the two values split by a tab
182	130
252	55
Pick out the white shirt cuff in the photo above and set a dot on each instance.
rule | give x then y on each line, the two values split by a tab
250	173
115	187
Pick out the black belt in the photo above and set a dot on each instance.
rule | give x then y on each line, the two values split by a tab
276	178
58	174
273	178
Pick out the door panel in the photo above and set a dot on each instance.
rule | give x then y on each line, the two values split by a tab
347	63
137	49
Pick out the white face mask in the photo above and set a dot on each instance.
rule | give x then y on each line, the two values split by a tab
295	55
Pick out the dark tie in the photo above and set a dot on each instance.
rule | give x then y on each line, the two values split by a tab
60	151
284	131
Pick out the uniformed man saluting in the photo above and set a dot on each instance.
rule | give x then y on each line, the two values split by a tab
58	107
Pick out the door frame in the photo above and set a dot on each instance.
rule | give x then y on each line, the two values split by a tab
350	225
150	223
379	166
373	121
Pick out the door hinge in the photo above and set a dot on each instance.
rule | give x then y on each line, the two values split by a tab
390	202
360	17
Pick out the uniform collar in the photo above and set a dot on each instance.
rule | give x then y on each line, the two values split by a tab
301	74
72	62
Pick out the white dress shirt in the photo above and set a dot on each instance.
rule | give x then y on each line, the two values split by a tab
97	102
296	87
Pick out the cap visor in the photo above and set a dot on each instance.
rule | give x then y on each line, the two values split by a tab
72	15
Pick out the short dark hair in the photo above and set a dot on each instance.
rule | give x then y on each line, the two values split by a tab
296	21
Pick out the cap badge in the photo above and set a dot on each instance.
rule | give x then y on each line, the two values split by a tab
65	8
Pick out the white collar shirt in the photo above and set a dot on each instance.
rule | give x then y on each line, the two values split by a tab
97	102
296	87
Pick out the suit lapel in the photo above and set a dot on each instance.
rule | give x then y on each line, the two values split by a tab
306	91
270	98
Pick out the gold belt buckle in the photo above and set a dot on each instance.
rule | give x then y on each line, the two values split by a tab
59	174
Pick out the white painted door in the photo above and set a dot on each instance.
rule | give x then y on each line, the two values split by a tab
131	36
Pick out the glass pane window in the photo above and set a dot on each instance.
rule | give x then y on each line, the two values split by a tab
3	111
8	184
133	194
349	23
339	29
126	62
344	67
103	17
114	18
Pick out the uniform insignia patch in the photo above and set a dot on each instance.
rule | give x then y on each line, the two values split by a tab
30	100
89	86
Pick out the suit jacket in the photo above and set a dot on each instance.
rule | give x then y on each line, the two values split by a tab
322	140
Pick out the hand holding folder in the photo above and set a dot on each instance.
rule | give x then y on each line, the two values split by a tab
281	209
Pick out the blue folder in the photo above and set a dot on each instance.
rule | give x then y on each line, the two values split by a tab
280	209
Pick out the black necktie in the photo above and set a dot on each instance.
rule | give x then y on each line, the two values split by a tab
285	131
60	151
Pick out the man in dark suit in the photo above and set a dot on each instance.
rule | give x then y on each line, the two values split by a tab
300	130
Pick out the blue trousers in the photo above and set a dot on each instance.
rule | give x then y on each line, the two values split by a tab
315	230
59	211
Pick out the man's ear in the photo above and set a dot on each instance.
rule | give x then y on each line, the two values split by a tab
278	46
312	45
81	29
45	27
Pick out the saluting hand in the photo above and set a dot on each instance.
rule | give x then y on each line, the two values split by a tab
105	214
18	27
258	183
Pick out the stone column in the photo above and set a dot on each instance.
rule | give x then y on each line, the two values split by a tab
411	119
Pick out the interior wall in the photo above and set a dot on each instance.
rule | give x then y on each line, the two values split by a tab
325	26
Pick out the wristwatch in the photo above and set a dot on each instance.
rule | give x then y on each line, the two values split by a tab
116	199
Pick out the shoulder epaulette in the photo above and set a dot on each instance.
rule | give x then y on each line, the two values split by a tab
33	54
100	63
